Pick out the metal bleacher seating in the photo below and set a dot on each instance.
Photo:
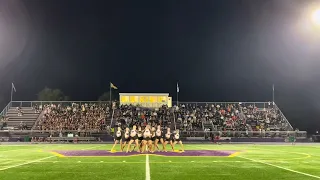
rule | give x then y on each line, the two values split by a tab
29	117
71	138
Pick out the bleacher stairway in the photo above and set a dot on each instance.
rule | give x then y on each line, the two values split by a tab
29	117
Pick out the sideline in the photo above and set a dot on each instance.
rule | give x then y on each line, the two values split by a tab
37	160
280	167
147	168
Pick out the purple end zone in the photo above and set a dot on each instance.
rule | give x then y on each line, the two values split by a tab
107	153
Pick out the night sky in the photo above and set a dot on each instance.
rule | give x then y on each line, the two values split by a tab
218	50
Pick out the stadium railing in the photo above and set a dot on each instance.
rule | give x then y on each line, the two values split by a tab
242	134
222	136
259	105
33	103
238	134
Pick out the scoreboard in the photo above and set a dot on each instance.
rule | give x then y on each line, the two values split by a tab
146	99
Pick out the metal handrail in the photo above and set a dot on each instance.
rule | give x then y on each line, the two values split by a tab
102	131
283	115
4	111
174	120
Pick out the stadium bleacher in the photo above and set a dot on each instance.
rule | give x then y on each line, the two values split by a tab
225	119
21	117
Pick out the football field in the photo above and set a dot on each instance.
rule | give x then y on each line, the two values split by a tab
199	161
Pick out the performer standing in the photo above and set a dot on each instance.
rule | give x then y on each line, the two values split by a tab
146	139
133	138
158	138
153	139
117	139
168	139
126	138
176	138
140	138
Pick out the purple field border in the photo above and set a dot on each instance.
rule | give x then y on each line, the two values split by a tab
99	153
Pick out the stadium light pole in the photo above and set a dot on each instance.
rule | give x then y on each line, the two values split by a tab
273	94
13	88
178	94
110	92
11	94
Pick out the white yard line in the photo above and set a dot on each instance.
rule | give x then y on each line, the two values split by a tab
37	160
28	162
147	167
25	149
280	167
93	147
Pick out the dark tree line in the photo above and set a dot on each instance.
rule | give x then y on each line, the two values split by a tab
48	94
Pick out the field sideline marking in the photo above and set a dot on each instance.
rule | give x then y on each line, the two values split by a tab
147	168
135	155
37	160
28	162
280	167
234	154
57	154
31	149
142	162
306	155
231	155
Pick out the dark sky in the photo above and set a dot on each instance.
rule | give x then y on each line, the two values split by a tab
218	50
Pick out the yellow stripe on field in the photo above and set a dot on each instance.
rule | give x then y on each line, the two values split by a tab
234	154
57	154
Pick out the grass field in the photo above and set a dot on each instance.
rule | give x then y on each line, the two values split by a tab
299	162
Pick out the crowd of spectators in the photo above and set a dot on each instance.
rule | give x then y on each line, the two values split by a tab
3	122
191	117
129	115
23	125
265	119
19	110
74	117
187	117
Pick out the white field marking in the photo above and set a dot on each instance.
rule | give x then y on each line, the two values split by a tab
123	161
272	159
28	162
147	167
140	162
24	150
5	162
192	161
169	161
18	150
37	160
280	167
93	147
79	161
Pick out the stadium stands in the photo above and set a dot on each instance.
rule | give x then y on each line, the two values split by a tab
96	120
268	118
130	115
73	116
211	116
185	116
21	117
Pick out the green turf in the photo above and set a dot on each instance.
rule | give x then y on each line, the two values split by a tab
254	162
